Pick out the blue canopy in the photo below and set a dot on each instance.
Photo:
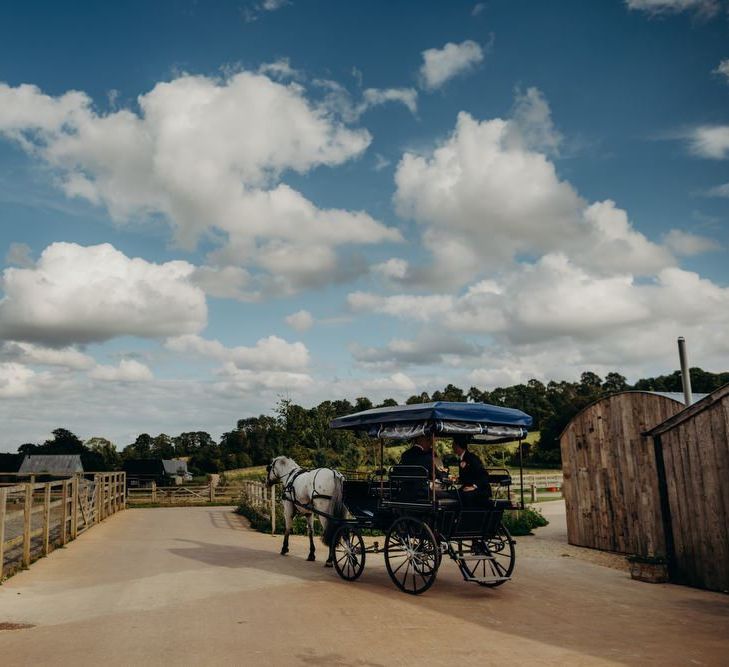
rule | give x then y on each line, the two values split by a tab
402	421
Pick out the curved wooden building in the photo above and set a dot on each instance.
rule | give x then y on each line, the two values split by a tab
610	478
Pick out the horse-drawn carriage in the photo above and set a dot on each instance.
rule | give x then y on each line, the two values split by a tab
422	519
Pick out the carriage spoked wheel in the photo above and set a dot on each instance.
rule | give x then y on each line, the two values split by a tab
497	562
348	551
412	555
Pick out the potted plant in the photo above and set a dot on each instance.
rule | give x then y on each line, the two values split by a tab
652	569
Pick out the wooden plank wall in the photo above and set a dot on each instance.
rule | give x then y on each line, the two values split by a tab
610	481
696	458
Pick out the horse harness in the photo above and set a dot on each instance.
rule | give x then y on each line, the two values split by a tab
289	492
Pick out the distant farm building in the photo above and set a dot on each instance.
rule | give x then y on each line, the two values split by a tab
142	472
59	465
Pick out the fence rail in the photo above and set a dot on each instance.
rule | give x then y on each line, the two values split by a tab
36	517
186	494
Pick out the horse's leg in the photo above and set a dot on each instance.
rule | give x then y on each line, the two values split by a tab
288	520
310	530
330	553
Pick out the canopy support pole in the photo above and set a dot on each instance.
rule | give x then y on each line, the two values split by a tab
521	473
382	466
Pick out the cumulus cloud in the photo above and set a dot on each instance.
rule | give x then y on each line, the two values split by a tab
225	282
489	193
27	353
128	370
268	354
17	380
207	156
301	320
426	349
688	244
441	65
709	141
657	7
19	254
77	294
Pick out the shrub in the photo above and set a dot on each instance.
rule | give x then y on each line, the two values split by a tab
261	520
522	522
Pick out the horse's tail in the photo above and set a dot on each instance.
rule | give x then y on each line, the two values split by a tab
336	509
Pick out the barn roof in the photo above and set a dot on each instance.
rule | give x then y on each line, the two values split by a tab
706	401
173	466
54	464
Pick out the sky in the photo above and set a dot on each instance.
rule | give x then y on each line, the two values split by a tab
206	207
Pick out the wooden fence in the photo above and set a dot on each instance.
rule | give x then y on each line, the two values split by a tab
192	494
38	516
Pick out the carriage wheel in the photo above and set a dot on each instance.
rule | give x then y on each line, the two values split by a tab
412	555
349	553
499	548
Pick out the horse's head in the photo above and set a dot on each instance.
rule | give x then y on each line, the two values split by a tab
279	467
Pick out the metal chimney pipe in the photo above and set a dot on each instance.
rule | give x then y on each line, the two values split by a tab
685	375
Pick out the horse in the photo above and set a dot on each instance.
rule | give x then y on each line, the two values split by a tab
321	489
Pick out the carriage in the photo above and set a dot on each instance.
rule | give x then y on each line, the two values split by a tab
421	522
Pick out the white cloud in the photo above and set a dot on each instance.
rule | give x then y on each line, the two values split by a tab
301	320
487	194
19	254
128	370
208	156
440	65
704	7
27	353
224	282
478	8
428	348
77	294
235	379
718	191
372	97
723	69
709	141
268	354
688	244
17	380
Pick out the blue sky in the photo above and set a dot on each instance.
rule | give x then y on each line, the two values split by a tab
243	201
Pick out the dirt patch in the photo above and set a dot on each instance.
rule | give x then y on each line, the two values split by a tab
16	626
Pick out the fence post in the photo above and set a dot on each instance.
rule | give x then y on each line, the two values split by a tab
212	492
3	500
27	515
99	479
124	490
154	491
74	507
46	518
64	510
533	491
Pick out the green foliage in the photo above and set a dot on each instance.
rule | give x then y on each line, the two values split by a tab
261	521
522	522
304	434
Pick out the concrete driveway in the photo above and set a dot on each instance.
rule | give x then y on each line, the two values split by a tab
196	586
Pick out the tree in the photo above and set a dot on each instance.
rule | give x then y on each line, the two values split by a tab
614	382
106	450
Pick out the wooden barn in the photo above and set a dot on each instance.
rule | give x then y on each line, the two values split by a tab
610	475
692	452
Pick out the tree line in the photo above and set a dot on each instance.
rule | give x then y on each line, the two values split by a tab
304	433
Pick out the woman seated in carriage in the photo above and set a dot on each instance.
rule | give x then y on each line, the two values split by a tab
475	490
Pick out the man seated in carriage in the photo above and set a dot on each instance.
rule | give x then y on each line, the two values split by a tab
475	489
420	454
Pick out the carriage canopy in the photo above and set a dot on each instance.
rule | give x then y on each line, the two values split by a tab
483	422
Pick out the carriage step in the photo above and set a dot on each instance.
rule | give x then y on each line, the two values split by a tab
488	580
476	557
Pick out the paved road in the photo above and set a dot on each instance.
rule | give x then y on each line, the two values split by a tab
194	586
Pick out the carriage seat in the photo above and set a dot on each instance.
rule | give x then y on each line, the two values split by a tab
409	483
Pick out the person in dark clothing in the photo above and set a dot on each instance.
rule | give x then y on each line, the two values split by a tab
420	453
475	489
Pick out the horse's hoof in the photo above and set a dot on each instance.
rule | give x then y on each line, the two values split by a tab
311	557
283	553
328	564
